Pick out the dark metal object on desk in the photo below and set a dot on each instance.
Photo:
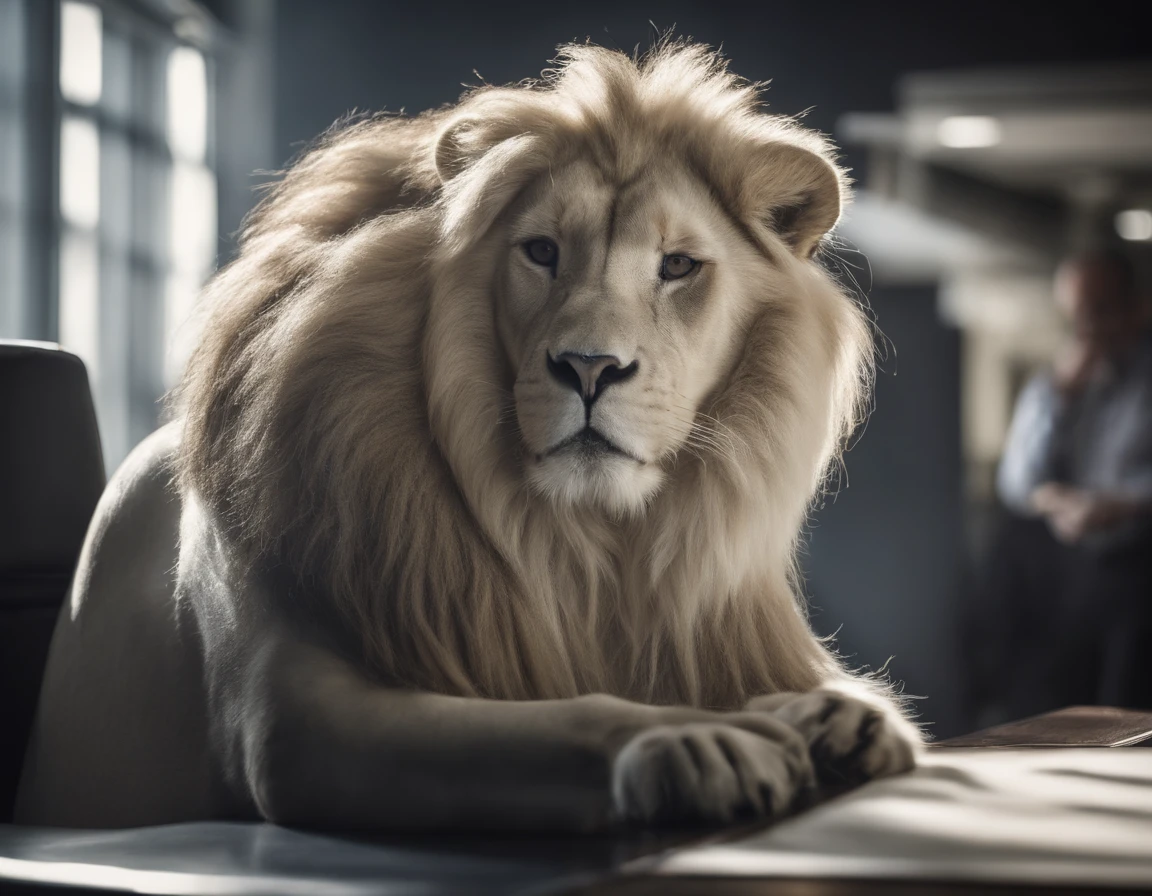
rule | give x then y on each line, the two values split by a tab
1073	726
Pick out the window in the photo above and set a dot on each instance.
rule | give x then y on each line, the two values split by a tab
137	206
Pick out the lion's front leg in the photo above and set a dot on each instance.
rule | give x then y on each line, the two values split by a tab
853	737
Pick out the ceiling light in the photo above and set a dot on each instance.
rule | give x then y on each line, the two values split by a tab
1134	224
968	131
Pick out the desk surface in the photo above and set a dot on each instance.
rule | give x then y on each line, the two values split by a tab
241	858
994	819
1041	817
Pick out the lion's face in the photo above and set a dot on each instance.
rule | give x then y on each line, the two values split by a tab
599	287
620	309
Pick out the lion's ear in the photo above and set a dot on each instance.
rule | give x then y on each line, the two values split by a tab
463	140
482	169
797	193
484	121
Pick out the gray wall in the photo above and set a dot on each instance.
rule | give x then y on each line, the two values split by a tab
828	57
885	553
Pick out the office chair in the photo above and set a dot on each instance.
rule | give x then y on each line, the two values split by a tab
51	476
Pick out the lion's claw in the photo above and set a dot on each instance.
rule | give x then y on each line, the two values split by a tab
850	740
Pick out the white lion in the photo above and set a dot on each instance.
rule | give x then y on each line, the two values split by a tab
491	466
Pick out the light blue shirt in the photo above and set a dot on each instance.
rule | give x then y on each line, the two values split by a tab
1099	440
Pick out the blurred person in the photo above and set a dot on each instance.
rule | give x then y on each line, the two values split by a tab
1070	579
1079	452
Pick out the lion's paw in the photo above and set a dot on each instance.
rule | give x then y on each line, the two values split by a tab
711	772
851	741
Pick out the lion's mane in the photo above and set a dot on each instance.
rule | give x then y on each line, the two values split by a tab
344	415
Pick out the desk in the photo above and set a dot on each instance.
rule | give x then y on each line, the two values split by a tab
969	820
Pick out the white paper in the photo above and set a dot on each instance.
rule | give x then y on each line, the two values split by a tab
1069	816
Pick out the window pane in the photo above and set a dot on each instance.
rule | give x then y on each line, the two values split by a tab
80	298
80	52
192	254
187	104
137	207
192	225
116	98
79	172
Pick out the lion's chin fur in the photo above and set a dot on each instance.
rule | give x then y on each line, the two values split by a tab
616	485
346	414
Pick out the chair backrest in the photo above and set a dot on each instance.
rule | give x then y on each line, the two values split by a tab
51	475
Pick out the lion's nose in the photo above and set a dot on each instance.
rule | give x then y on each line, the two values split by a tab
589	375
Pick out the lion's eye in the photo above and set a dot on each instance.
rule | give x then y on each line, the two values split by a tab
676	266
542	252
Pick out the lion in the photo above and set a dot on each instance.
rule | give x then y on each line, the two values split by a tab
481	502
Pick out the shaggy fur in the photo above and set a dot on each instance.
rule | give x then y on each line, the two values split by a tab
349	415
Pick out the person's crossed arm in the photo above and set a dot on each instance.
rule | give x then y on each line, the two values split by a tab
1026	480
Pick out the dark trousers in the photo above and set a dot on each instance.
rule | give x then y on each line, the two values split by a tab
1055	625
